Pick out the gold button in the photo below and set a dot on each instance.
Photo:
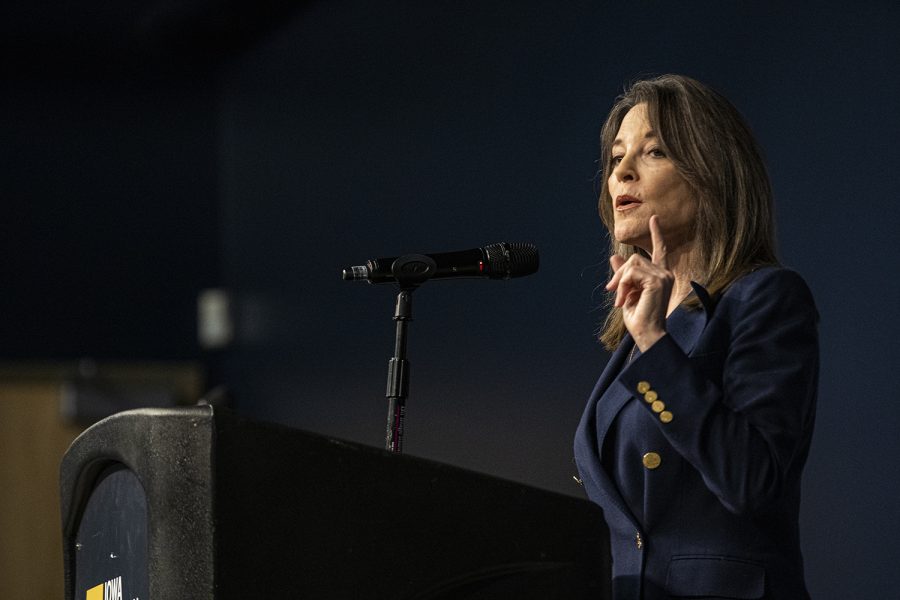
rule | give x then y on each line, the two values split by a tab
643	386
651	460
665	416
658	406
650	396
638	541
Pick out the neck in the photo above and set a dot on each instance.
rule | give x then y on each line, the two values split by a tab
681	263
680	291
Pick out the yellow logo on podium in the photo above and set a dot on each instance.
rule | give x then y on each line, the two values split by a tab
111	590
95	593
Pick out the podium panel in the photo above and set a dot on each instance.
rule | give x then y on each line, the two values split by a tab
199	503
111	539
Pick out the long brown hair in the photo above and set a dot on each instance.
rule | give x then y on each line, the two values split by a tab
712	147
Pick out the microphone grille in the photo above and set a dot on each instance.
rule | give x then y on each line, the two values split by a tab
506	260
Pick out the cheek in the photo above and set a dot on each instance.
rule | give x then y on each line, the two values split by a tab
685	217
680	197
689	201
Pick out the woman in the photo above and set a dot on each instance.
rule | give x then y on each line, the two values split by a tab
695	436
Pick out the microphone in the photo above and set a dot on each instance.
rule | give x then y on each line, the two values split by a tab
494	261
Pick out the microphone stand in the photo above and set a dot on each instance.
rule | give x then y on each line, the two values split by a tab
410	272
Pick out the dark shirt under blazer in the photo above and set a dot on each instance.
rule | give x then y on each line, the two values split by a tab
714	513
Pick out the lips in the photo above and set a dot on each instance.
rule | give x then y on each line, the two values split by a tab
626	202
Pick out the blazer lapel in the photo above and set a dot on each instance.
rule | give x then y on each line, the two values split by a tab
685	326
596	420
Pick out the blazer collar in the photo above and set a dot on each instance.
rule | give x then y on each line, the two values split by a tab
686	324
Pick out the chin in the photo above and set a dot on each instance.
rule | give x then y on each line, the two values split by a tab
631	238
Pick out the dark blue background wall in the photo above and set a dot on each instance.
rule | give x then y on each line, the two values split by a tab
354	130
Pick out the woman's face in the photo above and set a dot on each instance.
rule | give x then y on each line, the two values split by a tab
644	182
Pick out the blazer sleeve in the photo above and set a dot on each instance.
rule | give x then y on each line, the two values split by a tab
748	429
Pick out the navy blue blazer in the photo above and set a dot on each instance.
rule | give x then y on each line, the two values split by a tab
714	424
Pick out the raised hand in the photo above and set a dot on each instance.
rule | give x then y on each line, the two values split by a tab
643	289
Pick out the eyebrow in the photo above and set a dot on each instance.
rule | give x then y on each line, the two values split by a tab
647	136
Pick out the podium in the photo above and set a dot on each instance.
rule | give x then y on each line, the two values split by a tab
198	503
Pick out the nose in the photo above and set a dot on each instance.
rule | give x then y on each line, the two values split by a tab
625	170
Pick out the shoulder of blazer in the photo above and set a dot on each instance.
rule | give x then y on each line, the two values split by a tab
767	285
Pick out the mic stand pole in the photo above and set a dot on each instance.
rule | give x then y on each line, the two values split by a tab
398	373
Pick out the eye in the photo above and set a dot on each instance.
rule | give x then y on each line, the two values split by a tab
615	160
656	153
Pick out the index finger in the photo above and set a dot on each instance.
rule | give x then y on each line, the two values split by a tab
658	256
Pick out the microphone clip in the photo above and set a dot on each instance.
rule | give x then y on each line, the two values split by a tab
412	270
